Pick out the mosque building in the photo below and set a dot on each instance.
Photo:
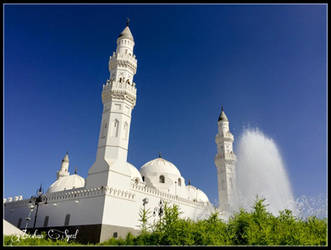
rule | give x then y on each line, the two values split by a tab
107	203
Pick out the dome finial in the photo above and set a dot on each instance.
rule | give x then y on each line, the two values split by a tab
222	108
160	155
189	181
127	21
75	170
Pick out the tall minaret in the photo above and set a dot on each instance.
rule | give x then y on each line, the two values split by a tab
225	163
64	167
119	99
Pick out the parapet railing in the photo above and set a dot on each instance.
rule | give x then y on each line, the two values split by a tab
120	85
73	194
80	193
121	58
174	198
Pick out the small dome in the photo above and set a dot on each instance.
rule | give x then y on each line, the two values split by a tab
67	183
202	196
159	166
126	33
196	194
134	172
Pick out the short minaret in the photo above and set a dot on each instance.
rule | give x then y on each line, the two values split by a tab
225	163
119	99
64	167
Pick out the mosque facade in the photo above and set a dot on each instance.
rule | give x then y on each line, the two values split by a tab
107	203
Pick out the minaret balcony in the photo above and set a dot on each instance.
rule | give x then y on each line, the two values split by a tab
120	86
119	90
123	60
221	138
222	157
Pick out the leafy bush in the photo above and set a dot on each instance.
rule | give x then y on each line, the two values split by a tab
258	227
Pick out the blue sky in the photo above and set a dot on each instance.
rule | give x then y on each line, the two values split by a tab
266	64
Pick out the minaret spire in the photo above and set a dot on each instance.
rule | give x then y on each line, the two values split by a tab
64	167
127	21
222	116
225	163
118	99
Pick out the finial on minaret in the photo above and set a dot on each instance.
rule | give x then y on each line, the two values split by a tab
160	155
189	181
76	170
127	21
66	157
39	192
222	116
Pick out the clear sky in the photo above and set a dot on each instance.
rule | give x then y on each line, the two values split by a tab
266	64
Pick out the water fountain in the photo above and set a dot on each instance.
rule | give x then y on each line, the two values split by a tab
261	172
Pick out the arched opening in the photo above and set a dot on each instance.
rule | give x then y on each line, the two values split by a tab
46	221
116	127
136	180
125	130
67	220
179	182
162	179
143	178
19	223
104	129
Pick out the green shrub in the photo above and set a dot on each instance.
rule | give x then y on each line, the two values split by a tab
258	227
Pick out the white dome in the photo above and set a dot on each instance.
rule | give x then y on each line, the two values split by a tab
67	183
160	174
134	172
202	196
159	166
196	194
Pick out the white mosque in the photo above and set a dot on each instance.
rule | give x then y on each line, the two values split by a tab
107	203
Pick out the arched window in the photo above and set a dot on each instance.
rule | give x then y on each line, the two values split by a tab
67	220
126	130
136	180
104	129
116	127
162	179
179	182
121	79
46	221
143	178
19	222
